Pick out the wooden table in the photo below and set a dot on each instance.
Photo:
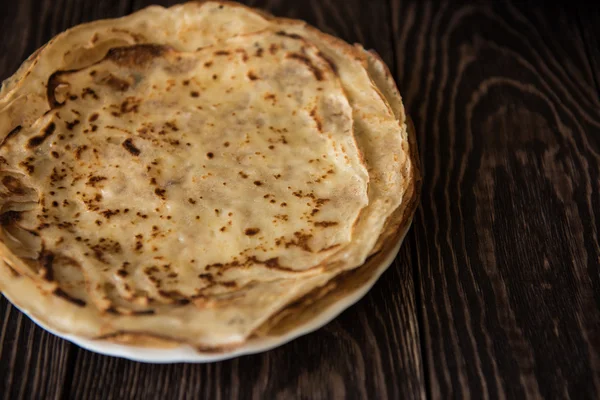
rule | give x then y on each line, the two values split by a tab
496	292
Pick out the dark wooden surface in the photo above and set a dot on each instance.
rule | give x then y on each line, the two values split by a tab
496	292
506	245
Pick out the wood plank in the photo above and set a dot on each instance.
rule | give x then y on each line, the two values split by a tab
588	16
33	363
508	124
370	351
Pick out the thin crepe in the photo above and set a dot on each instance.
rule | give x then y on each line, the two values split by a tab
204	253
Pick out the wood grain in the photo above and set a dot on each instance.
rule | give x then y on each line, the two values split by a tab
370	351
507	254
588	15
33	363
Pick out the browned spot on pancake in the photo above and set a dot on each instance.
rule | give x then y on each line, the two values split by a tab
329	61
317	119
65	296
93	117
283	217
57	177
243	175
46	260
115	83
138	55
11	134
130	147
258	183
289	35
194	94
259	52
210	155
320	202
251	231
94	179
243	53
272	263
104	246
221	53
38	140
306	61
208	64
89	92
172	125
325	224
301	241
252	76
192	201
174	296
207	277
273	48
162	193
79	150
143	312
139	244
13	185
51	85
173	142
109	213
129	105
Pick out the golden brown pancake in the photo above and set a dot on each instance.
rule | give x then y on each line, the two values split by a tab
188	173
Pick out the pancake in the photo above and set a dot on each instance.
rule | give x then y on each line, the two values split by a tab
187	174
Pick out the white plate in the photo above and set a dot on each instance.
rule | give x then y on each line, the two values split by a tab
191	355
